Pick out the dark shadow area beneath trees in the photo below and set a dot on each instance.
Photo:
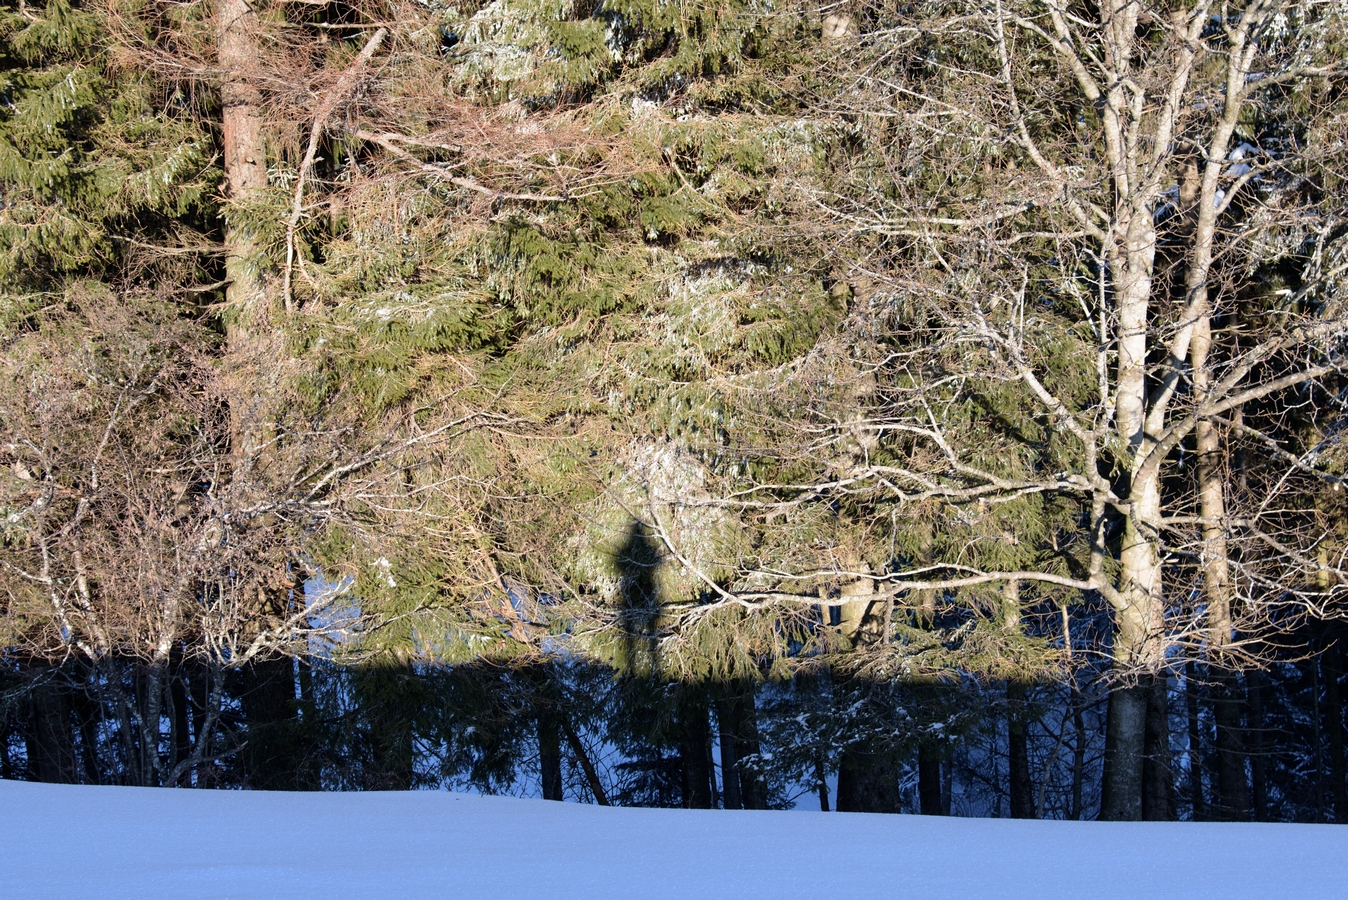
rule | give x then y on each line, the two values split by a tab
1265	745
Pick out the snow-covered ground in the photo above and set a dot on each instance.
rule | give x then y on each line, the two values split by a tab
62	841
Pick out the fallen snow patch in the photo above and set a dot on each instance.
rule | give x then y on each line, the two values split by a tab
63	841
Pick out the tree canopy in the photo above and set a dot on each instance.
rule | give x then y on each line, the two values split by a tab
858	350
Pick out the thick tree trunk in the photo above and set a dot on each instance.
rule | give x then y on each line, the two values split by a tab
1158	783
1254	682
1233	794
393	716
1021	788
123	706
49	738
268	693
245	158
694	741
151	724
730	776
742	716
1196	799
929	780
88	713
1211	497
1125	747
203	715
308	705
550	754
182	727
1233	787
868	779
546	692
1139	653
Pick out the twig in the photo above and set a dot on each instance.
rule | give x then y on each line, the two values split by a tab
344	86
386	141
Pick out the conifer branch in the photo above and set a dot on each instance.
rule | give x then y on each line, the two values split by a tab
387	139
345	85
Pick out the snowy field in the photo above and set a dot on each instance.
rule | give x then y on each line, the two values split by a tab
62	841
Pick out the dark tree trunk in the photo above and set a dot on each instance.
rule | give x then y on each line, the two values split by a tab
868	779
88	712
1125	749
128	735
730	776
947	787
50	739
742	780
753	786
547	709
694	739
1158	782
1191	698
308	706
199	691
1018	747
1233	787
147	762
1078	755
268	693
583	758
1333	715
394	701
821	782
929	781
182	725
1254	683
7	763
550	754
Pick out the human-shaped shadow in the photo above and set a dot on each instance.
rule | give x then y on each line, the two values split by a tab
637	564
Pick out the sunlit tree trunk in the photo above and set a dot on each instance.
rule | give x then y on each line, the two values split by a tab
245	158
